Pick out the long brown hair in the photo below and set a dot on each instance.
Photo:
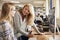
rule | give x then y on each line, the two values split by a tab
5	11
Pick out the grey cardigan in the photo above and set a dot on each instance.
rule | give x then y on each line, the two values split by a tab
20	28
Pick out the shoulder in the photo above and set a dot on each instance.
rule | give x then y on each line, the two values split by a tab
6	23
17	13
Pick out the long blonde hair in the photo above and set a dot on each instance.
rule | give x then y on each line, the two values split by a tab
5	15
31	15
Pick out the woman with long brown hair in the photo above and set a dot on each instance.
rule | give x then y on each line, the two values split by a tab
6	29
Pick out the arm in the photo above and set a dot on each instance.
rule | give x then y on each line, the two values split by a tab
28	33
24	32
17	23
34	26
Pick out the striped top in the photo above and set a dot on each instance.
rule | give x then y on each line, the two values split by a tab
6	31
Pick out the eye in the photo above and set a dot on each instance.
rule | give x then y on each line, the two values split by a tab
28	10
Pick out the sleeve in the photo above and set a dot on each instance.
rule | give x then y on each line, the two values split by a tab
24	32
16	23
29	28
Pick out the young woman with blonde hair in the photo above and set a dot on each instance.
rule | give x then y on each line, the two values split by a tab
6	29
24	20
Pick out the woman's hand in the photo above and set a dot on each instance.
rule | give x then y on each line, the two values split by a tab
42	33
30	35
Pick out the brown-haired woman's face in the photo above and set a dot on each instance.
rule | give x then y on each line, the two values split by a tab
25	10
12	10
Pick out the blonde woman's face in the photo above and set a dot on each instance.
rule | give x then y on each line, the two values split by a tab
25	11
12	10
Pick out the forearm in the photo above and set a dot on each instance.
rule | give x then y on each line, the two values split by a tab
34	26
23	32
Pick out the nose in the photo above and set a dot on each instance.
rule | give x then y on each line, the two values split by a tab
26	10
